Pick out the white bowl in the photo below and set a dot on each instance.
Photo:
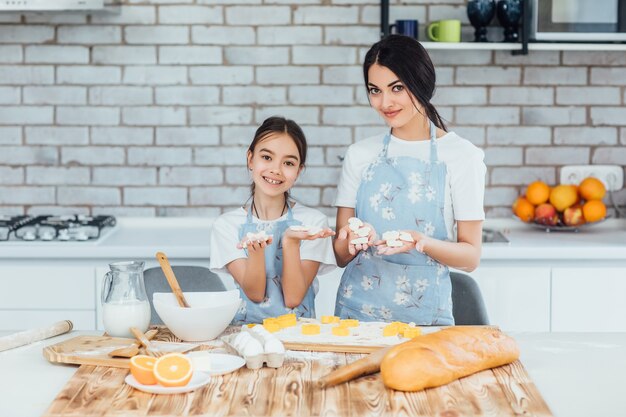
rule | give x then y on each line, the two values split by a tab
206	318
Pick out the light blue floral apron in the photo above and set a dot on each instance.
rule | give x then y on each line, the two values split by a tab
400	193
273	305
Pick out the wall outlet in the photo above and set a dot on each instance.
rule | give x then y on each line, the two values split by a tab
612	176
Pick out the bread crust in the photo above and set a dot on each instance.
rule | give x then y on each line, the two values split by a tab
441	357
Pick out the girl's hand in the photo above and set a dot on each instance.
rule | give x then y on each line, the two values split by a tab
254	245
347	233
296	236
419	241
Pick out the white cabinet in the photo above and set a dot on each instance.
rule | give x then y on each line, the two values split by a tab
516	298
589	299
34	296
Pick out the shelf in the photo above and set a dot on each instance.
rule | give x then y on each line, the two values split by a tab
553	46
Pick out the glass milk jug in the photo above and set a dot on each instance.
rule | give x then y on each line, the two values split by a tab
124	300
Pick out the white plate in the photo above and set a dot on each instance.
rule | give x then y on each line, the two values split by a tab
198	380
221	363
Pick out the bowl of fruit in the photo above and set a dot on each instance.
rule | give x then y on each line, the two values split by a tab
564	207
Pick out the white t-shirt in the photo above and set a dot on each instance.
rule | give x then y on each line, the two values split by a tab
225	236
465	182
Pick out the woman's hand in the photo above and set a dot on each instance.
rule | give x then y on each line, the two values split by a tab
346	233
297	235
419	242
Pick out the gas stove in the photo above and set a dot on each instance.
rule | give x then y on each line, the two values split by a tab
47	228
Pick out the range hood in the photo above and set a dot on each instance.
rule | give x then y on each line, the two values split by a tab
50	5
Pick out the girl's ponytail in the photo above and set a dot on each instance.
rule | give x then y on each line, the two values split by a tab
433	115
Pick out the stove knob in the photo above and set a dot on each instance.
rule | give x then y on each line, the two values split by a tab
64	235
46	236
81	236
29	235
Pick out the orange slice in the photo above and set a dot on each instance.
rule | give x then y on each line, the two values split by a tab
141	367
173	370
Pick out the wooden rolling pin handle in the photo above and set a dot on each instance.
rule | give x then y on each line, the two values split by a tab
171	279
365	366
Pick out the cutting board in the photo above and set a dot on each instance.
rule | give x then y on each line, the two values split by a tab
94	350
292	390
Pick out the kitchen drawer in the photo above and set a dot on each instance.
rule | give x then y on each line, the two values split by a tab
42	287
16	320
589	299
517	298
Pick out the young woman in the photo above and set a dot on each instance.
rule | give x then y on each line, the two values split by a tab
417	178
273	263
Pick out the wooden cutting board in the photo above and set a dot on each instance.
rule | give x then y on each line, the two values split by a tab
94	350
292	390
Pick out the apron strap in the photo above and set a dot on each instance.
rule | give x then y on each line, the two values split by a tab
289	212
386	140
249	215
433	144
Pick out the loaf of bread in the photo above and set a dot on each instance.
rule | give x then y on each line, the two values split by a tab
444	356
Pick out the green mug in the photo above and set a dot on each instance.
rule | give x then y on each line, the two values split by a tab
445	31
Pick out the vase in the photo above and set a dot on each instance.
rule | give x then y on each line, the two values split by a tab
509	14
480	13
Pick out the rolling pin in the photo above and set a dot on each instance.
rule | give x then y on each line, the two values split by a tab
35	335
364	366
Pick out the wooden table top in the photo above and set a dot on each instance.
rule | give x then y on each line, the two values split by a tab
291	390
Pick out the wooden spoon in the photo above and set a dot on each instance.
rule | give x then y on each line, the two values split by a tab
171	279
132	350
150	348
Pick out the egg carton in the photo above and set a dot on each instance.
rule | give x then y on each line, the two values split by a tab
272	359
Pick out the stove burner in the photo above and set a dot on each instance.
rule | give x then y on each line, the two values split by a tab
51	228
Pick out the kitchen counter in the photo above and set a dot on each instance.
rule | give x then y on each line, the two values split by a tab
578	374
188	238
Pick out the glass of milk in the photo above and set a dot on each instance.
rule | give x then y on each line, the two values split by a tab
124	300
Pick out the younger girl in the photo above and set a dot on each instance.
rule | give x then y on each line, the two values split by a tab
273	263
417	178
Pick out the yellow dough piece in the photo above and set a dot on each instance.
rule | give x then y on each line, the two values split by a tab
287	320
271	324
411	332
251	325
349	323
330	319
310	329
390	330
340	331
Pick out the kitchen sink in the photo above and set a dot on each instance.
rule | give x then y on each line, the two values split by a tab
494	236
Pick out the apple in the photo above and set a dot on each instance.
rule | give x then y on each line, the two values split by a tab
546	214
573	216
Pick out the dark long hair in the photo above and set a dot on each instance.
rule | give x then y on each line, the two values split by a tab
277	124
408	59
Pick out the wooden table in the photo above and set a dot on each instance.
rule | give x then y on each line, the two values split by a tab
292	390
578	374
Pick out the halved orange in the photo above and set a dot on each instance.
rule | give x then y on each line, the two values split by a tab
141	367
173	370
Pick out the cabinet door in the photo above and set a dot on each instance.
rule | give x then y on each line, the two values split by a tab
517	298
327	294
35	296
47	287
589	299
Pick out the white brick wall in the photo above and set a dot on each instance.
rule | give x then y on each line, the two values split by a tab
150	111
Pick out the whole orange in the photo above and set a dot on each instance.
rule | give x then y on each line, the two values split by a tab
594	210
563	196
523	209
591	189
537	192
